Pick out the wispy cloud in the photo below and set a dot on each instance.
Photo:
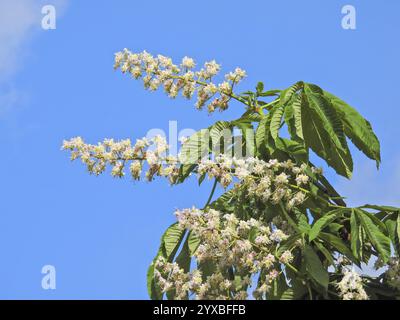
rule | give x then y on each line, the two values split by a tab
20	21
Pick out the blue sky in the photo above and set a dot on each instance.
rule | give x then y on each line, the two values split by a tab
101	233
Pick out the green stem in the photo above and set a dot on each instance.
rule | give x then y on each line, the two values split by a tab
309	291
265	106
211	194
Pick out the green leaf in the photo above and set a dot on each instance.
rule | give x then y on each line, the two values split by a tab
170	242
224	202
303	224
327	113
276	119
323	221
218	131
295	292
326	253
320	136
329	189
314	267
356	245
260	87
184	257
193	242
152	289
357	128
172	239
340	246
261	135
278	288
248	142
297	116
380	242
270	93
293	149
383	208
288	93
392	226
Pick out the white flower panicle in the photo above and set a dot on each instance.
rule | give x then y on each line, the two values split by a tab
118	154
247	246
351	286
160	71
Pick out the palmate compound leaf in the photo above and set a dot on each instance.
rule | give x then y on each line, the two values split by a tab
357	128
322	141
324	121
323	132
379	240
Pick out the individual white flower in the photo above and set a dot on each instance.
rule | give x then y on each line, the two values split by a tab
225	87
317	171
188	63
262	240
286	257
241	173
235	76
135	169
281	179
117	170
210	89
211	68
302	179
164	61
119	57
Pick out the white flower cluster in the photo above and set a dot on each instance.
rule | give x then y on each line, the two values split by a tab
119	153
351	286
249	247
392	275
160	71
272	181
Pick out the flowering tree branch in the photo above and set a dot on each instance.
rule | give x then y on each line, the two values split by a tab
280	228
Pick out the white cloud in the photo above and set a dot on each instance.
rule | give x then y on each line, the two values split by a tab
372	186
20	21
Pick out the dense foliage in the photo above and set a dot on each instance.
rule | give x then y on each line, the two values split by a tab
280	230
